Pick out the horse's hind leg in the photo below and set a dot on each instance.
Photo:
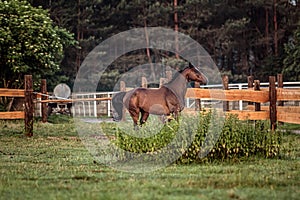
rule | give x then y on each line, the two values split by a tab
144	117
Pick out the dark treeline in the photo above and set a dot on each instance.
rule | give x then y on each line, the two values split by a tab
243	37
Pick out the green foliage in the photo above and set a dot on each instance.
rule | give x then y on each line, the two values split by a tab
148	144
238	139
291	69
239	35
175	63
2	107
29	43
243	139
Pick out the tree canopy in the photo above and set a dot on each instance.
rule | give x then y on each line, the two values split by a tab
291	60
243	37
30	43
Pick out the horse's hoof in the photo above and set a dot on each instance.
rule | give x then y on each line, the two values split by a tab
169	118
116	119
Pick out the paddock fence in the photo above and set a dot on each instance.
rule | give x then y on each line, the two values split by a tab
28	112
276	101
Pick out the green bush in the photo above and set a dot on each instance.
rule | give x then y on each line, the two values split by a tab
2	108
236	139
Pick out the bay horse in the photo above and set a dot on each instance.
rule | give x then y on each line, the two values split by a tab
167	100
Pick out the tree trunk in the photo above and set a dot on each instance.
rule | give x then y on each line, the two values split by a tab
176	29
148	50
79	34
267	31
275	29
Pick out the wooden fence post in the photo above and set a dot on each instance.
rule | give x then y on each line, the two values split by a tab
29	109
123	89
44	97
144	82
280	85
273	99
122	86
250	85
197	101
257	88
162	81
169	75
225	87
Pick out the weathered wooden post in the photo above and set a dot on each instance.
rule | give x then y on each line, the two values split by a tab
197	101
250	86
144	82
44	97
225	87
169	75
257	88
29	109
280	85
273	99
162	81
122	86
123	89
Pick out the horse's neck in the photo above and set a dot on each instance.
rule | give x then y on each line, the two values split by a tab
178	86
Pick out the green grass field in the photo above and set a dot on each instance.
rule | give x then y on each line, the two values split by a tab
54	164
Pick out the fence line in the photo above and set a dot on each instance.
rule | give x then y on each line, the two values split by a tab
88	108
275	97
27	114
255	93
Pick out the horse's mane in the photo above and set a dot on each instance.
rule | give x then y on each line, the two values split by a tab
178	73
174	77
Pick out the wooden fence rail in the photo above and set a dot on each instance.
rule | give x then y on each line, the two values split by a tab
275	97
12	115
27	114
4	92
229	95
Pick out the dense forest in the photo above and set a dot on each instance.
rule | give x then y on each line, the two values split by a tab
244	37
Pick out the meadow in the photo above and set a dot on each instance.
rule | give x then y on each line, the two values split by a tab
55	164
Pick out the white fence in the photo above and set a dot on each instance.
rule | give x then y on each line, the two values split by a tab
92	108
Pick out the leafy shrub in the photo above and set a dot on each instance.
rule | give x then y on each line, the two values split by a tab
238	139
2	108
193	136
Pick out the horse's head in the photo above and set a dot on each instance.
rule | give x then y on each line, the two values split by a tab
193	74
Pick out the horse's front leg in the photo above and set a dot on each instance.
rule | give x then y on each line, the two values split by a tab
176	114
134	113
166	118
169	117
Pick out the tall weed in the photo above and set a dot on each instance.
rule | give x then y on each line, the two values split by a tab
194	135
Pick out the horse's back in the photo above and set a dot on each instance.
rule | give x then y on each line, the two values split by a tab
150	94
155	101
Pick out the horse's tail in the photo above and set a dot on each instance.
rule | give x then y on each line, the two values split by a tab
117	103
